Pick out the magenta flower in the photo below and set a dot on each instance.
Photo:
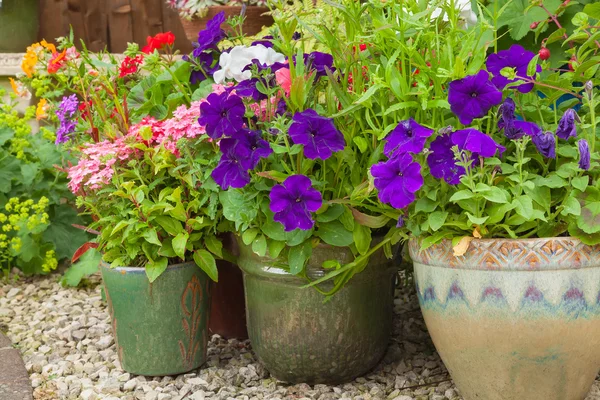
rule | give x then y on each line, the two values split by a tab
476	142
318	134
397	180
232	170
545	143
293	201
222	114
584	154
517	58
566	126
472	97
441	161
407	137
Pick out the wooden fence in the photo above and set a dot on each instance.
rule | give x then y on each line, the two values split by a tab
110	24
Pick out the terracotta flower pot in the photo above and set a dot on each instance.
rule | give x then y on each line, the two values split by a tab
514	319
159	328
301	338
254	23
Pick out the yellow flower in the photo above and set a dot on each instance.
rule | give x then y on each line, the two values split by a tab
2	219
31	58
48	46
8	207
41	111
20	89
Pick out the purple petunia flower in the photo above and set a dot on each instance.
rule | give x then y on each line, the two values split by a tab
222	114
253	141
320	62
232	170
407	137
545	143
281	107
566	126
210	36
584	154
65	112
441	161
476	142
472	97
293	201
318	134
517	58
513	128
265	41
400	222
397	180
247	88
202	67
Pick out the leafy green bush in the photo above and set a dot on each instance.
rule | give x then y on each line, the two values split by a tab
36	208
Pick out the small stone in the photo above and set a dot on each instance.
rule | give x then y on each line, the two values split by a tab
13	293
104	342
197	381
78	335
88	394
198	395
6	312
403	397
110	386
130	385
450	394
45	349
152	395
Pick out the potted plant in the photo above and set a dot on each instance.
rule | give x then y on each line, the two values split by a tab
301	209
497	186
195	14
143	175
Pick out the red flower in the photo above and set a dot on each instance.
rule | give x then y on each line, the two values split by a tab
84	109
130	65
56	61
159	41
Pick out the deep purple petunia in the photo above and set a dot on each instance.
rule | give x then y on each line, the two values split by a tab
232	170
247	88
65	113
281	107
545	143
517	58
209	37
397	180
222	114
407	137
472	97
253	141
513	128
202	67
476	142
584	154
566	126
320	62
318	134
293	201
265	41
441	161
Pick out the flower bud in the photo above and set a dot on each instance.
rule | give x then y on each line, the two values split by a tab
589	87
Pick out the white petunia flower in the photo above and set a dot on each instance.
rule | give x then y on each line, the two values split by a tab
465	12
233	63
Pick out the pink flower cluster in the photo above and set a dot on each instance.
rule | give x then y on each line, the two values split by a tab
95	167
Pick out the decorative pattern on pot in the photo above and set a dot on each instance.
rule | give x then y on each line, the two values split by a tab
514	319
160	328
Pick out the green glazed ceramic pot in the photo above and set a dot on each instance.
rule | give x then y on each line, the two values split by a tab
159	328
514	319
301	338
18	25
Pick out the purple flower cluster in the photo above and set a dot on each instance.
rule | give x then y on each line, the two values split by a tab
202	58
293	201
407	137
318	134
65	113
222	114
473	96
397	180
515	58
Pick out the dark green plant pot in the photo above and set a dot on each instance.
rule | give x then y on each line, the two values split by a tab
18	25
301	338
159	328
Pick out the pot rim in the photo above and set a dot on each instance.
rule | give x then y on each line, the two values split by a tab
140	270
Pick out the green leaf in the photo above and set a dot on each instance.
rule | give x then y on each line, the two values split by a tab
524	207
207	263
214	245
362	238
518	17
205	88
477	220
495	195
155	268
497	212
259	245
151	236
297	257
275	247
552	181
424	204
66	238
593	10
437	219
87	265
179	243
178	212
239	207
169	224
461	195
6	134
580	183
29	172
571	206
539	194
361	143
335	234
249	235
332	213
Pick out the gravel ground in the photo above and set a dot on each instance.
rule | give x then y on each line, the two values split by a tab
65	338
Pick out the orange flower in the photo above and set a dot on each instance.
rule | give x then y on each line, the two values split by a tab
41	111
56	62
48	46
30	59
19	89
